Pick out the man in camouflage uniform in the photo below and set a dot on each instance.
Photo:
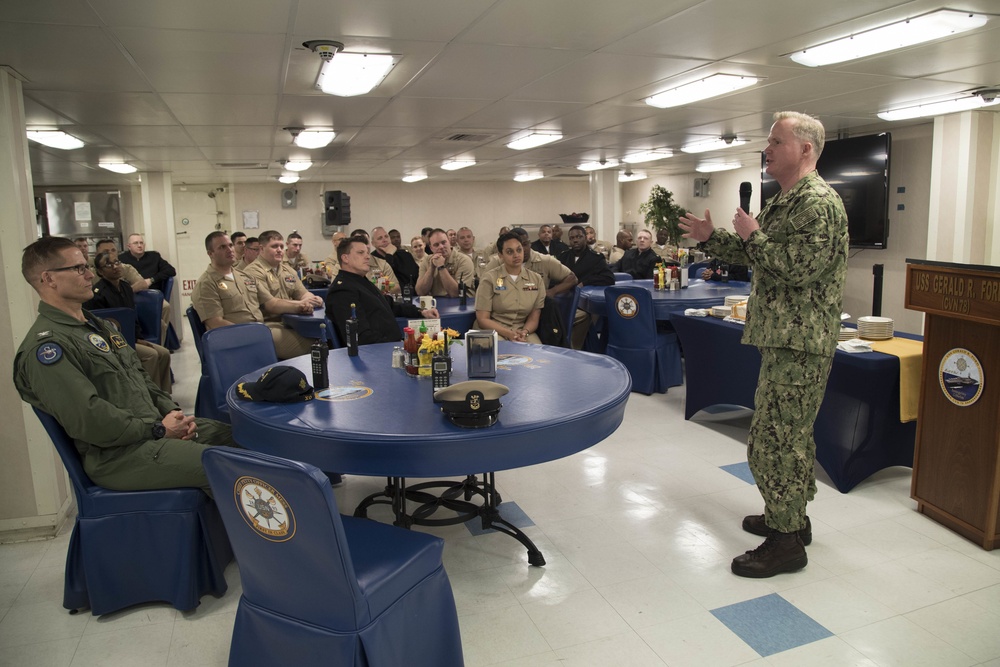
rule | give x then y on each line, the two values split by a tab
797	248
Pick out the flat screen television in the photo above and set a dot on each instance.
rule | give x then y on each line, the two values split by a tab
858	169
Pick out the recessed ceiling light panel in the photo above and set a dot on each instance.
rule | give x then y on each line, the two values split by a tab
55	139
534	140
713	86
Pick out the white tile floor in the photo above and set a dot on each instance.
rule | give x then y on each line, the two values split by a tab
638	533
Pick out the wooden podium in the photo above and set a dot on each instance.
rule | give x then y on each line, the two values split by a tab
956	461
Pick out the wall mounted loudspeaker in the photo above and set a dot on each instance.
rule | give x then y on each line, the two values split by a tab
337	205
288	197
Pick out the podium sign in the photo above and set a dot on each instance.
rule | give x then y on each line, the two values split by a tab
956	463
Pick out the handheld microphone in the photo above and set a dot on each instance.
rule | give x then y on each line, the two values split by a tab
745	190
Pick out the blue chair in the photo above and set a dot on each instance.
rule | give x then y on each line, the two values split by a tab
124	319
171	342
149	306
623	278
202	400
324	589
652	357
230	353
694	270
319	291
132	547
567	309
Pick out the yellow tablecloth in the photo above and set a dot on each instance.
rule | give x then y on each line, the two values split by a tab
910	353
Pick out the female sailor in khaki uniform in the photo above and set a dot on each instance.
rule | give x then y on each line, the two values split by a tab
510	297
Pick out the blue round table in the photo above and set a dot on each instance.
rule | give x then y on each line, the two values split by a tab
385	423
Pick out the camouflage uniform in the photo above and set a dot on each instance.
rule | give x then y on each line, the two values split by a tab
799	262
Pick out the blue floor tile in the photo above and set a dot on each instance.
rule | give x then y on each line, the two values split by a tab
509	511
770	624
741	470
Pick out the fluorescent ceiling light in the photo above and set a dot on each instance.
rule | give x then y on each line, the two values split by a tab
55	139
534	140
413	178
298	165
118	167
713	144
966	103
595	165
349	74
713	86
648	156
529	176
452	165
634	176
709	167
288	178
314	138
935	25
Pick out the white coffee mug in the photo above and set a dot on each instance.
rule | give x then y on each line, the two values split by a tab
428	302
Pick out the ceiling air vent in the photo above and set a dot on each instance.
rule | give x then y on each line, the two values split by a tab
241	165
469	138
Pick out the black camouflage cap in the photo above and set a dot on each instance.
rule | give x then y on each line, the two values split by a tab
278	384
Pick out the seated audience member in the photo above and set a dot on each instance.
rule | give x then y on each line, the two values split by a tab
417	250
547	244
622	245
557	234
395	238
600	247
250	252
294	257
737	272
444	268
424	234
148	263
467	247
401	262
332	263
225	295
640	261
663	247
510	297
78	368
376	312
591	270
111	291
556	277
129	274
452	238
381	273
239	240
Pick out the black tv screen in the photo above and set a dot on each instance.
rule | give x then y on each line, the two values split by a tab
858	169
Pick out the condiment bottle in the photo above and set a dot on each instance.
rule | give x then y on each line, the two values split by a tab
410	346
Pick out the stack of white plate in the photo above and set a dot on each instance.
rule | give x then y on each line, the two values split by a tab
875	328
847	333
733	300
721	311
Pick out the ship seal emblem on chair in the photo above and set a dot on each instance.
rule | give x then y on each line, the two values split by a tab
264	509
626	306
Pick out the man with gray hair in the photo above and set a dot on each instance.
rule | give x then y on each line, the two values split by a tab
797	248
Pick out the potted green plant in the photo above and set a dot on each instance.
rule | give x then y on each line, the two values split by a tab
661	212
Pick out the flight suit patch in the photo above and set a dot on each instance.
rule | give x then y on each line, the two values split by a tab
49	353
99	342
118	341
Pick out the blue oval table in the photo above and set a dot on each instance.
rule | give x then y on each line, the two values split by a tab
377	421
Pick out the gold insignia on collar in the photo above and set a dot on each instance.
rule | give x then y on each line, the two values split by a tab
222	285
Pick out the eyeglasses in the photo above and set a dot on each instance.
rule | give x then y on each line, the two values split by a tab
79	268
110	265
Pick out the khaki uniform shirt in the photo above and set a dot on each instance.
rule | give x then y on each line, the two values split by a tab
602	248
233	298
548	267
799	262
616	254
666	251
300	262
457	264
279	283
479	258
510	302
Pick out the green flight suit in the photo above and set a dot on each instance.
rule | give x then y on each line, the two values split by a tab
86	376
799	262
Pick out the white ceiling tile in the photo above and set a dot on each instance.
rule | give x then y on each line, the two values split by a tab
203	109
107	108
433	20
258	16
145	135
422	112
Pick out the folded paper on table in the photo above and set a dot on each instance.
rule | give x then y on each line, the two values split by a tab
910	353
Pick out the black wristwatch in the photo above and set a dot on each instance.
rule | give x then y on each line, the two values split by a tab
159	430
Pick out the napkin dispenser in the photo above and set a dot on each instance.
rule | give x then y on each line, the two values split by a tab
481	348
